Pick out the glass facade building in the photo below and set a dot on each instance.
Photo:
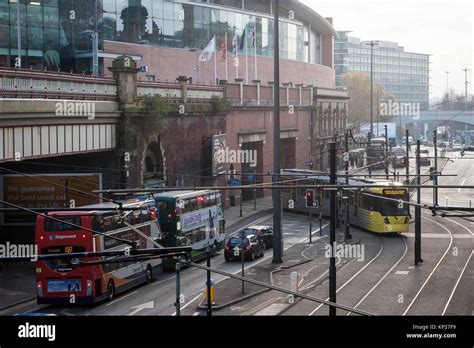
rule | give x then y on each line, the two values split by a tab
57	34
404	75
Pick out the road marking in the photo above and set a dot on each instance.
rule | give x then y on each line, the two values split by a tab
352	278
434	269
121	298
402	272
435	235
385	275
187	304
139	308
462	271
273	309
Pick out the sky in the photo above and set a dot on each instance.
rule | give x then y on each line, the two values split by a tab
442	28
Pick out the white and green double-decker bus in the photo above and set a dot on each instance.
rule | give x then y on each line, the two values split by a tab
192	218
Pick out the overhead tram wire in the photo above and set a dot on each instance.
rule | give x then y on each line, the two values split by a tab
126	241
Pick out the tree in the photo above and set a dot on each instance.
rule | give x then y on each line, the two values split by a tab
453	101
357	85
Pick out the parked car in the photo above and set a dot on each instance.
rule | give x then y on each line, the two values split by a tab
425	151
264	232
424	160
254	247
457	147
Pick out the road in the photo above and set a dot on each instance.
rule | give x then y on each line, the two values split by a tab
385	281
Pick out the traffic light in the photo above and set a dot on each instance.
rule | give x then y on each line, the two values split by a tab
309	198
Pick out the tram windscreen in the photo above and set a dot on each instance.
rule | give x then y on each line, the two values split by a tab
387	207
390	207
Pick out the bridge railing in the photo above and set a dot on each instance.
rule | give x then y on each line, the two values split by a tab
16	83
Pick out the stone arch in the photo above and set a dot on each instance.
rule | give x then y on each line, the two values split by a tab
153	161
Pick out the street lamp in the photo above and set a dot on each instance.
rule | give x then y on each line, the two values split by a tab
371	132
197	68
447	83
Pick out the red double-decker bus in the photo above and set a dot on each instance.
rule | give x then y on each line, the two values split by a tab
61	281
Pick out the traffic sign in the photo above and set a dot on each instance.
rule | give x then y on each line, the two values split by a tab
235	182
346	157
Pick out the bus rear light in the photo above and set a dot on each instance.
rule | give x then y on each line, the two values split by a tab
39	289
247	247
89	288
83	236
41	237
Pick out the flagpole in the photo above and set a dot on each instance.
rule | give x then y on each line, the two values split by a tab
255	48
226	61
246	59
215	61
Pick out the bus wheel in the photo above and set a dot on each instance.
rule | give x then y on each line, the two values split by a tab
149	274
110	290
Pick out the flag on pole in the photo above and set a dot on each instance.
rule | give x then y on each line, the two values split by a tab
254	45
254	35
207	52
242	42
234	45
224	49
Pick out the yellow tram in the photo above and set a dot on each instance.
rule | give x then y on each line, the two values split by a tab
382	208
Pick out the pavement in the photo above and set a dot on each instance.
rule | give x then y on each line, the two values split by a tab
17	283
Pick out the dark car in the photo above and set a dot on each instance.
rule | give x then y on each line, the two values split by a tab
253	247
424	160
398	162
264	232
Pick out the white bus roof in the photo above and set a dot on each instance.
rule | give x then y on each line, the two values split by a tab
183	194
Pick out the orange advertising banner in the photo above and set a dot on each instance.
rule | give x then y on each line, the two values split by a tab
47	191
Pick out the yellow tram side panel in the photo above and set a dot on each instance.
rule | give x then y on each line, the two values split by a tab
375	222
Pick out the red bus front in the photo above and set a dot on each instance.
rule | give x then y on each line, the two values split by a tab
57	281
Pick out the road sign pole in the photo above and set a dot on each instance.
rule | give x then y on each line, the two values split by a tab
435	178
320	224
386	152
347	231
254	195
243	260
178	288
418	208
310	225
332	235
209	304
407	144
241	198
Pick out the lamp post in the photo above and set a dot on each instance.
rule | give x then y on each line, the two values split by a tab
447	83
465	87
371	132
372	44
